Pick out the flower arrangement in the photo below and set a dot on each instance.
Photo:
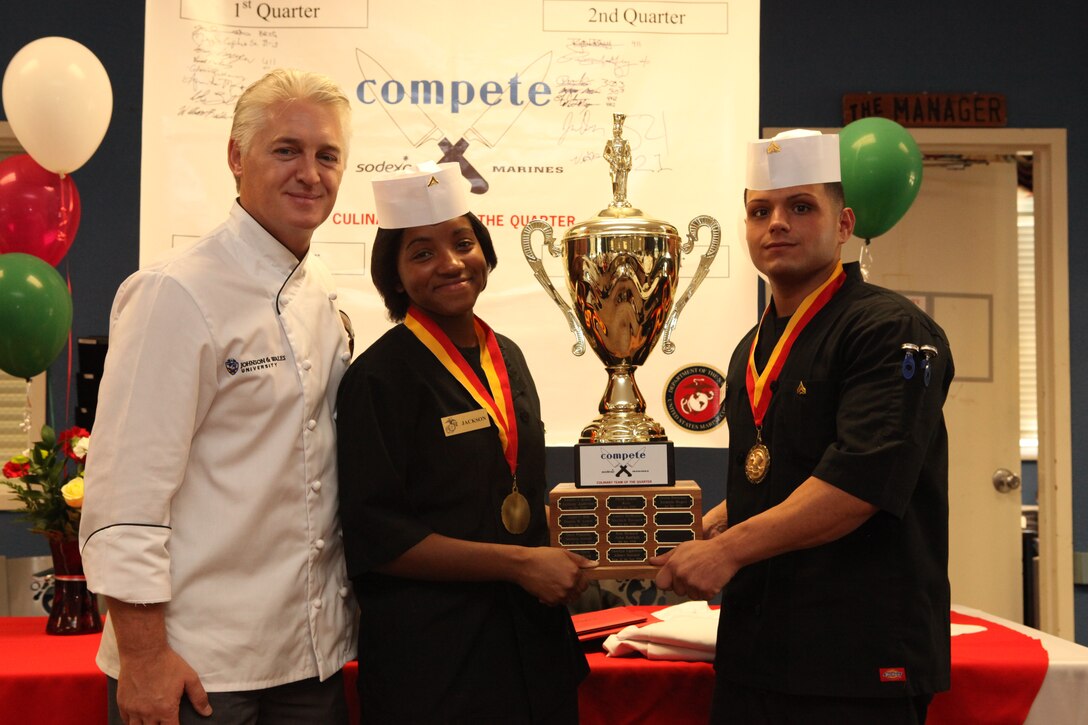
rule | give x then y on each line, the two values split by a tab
48	479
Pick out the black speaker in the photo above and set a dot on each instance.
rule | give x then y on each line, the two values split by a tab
92	354
92	359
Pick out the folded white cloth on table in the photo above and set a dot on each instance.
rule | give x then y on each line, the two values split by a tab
687	632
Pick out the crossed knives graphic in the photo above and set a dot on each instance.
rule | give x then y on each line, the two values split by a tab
488	128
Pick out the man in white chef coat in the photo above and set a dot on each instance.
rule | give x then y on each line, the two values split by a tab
210	518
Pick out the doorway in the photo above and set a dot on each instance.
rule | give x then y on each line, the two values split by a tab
1048	149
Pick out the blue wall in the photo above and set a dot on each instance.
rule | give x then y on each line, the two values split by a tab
812	53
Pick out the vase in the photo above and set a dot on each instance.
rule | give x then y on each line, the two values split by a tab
74	609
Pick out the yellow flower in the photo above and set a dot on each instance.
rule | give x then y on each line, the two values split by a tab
73	492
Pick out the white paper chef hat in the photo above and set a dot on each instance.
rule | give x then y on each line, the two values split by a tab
426	193
793	158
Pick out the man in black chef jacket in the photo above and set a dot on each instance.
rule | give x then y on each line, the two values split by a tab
833	552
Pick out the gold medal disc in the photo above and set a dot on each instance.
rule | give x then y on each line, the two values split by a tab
515	513
757	463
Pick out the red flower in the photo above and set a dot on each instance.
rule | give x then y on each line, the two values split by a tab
15	471
66	439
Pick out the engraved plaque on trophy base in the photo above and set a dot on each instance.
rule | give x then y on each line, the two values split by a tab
599	465
622	527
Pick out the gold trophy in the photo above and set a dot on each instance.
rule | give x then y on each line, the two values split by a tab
622	270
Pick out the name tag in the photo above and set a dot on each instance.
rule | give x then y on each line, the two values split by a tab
473	420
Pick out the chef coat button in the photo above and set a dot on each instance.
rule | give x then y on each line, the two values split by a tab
345	356
332	295
316	604
319	544
315	486
311	424
306	365
343	592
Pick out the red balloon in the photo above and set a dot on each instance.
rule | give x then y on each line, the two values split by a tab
39	211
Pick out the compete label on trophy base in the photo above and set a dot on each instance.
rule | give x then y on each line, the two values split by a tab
621	528
616	465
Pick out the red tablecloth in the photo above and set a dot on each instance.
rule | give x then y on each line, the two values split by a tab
48	679
52	680
635	690
995	677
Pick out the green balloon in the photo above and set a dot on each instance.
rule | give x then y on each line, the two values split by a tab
881	173
35	314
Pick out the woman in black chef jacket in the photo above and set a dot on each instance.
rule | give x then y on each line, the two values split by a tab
442	488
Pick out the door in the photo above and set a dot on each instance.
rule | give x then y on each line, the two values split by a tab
954	254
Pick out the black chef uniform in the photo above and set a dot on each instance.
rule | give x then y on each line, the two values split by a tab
866	615
434	651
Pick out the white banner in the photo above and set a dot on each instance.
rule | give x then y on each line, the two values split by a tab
521	93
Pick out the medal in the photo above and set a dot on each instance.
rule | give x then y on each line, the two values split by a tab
498	402
515	511
760	386
758	460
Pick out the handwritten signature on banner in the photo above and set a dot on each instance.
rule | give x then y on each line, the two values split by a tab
225	61
604	53
585	91
605	67
646	133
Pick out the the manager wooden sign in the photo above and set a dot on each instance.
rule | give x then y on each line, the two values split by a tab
927	109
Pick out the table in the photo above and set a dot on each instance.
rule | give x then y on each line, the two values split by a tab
990	681
50	680
1063	696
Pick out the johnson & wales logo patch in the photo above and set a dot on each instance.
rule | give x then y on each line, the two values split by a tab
253	365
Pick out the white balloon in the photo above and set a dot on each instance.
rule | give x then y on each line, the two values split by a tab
58	100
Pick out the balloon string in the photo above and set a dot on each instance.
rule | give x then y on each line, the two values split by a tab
25	425
68	382
62	215
866	257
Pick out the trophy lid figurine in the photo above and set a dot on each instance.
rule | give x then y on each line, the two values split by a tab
622	269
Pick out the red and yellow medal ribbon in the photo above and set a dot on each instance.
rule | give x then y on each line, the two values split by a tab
499	406
759	386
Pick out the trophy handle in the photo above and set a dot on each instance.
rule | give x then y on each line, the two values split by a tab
542	276
667	345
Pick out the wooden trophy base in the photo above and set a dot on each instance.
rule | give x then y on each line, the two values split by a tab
622	527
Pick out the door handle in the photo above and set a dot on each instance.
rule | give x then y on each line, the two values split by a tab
1005	480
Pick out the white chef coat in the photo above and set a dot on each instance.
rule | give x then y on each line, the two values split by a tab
211	478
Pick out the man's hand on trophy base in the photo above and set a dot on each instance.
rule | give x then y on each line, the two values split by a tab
695	569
